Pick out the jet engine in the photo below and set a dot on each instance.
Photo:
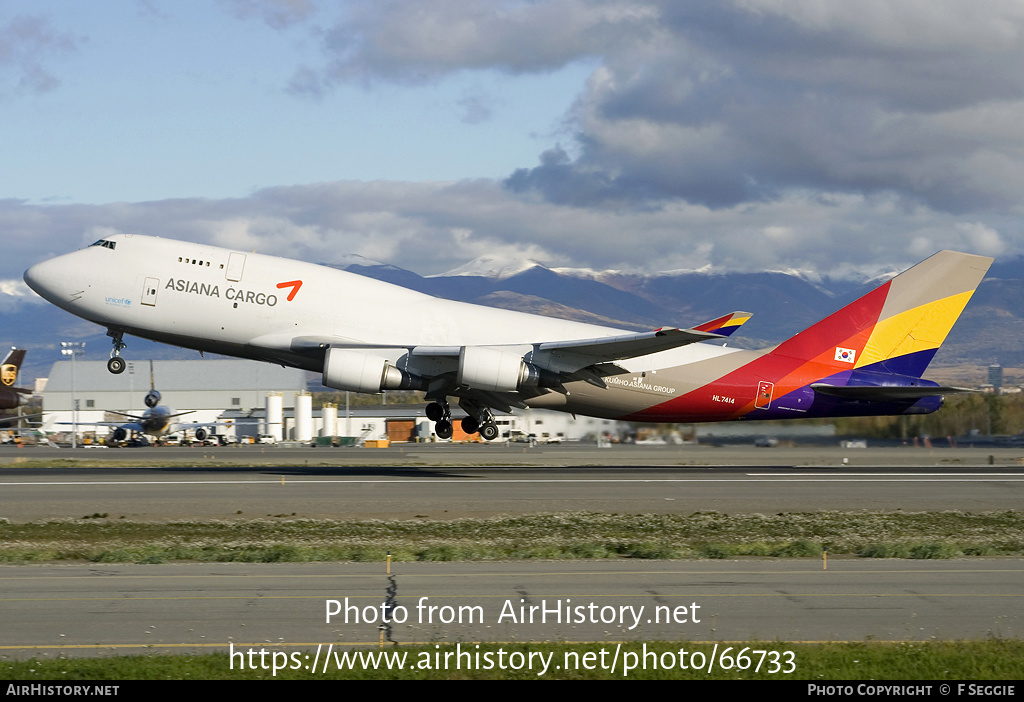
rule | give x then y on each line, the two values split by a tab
202	434
345	369
9	399
152	398
496	370
119	434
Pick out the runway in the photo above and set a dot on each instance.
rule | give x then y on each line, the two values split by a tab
100	609
447	482
97	609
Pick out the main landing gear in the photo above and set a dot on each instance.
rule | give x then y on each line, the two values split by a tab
488	429
116	364
479	420
441	416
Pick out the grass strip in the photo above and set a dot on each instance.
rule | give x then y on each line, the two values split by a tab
993	659
101	537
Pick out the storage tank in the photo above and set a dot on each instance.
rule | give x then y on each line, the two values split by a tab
304	417
329	413
275	415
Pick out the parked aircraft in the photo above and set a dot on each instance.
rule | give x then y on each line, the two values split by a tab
12	397
364	335
156	422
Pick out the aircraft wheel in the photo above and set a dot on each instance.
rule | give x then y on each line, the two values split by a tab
489	431
435	412
116	365
470	425
444	429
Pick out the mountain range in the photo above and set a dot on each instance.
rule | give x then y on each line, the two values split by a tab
989	331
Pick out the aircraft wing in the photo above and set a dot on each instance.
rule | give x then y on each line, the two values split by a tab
501	370
614	348
137	417
194	425
132	426
585	351
14	418
568	356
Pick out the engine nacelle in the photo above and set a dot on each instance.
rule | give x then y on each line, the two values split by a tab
9	399
119	434
202	434
152	398
345	369
496	370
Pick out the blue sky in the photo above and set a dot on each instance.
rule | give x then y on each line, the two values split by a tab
191	100
815	135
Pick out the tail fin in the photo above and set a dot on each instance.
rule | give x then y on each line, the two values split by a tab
897	327
10	367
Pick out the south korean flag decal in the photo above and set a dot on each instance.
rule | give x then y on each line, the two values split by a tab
845	355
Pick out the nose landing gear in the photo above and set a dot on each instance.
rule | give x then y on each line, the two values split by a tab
116	364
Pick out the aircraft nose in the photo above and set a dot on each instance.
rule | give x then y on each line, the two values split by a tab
49	280
33	276
36	277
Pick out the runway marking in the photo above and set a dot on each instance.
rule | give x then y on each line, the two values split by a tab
98	577
427	480
261	598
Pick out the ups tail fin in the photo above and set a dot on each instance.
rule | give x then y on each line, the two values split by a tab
897	327
10	367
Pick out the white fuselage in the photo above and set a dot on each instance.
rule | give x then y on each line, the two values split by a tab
263	307
211	298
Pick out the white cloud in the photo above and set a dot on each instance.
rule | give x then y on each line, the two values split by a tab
982	239
433	227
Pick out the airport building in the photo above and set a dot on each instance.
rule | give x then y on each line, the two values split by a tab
207	389
249	398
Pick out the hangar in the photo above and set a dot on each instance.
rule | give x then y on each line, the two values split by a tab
209	387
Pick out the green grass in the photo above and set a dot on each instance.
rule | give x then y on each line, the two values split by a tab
102	537
993	659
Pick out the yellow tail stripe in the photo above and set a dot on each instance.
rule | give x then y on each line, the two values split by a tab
919	329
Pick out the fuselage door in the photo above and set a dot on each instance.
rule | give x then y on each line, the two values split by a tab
149	291
236	263
764	394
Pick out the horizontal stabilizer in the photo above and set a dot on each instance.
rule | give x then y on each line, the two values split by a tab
885	392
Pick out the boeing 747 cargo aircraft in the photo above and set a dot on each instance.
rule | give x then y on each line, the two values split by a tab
367	336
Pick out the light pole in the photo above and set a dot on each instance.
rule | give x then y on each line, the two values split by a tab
73	348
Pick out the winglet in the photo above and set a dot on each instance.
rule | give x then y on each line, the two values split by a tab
726	325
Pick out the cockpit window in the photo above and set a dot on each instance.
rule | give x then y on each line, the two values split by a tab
105	244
